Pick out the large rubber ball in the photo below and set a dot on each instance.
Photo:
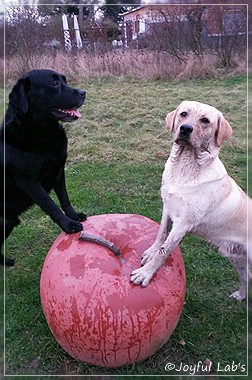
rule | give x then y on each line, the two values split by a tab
93	310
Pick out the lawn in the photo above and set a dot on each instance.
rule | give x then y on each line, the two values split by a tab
117	152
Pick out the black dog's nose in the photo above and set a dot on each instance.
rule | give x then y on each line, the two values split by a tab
82	93
186	129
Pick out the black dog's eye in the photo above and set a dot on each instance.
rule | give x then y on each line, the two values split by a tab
183	114
204	120
56	82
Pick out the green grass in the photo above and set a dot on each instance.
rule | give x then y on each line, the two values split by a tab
117	153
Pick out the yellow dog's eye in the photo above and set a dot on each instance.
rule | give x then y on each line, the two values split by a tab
183	114
204	120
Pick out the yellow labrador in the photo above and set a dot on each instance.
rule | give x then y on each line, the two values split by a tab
198	195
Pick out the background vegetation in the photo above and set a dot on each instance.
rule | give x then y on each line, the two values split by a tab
117	152
183	45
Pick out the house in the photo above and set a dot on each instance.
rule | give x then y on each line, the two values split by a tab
210	20
137	21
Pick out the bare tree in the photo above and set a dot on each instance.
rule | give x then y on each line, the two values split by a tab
186	29
194	16
231	37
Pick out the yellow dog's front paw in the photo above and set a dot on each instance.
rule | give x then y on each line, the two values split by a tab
148	255
141	276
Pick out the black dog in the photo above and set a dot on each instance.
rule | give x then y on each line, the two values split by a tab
34	149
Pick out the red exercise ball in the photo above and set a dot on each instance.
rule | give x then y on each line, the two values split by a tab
93	310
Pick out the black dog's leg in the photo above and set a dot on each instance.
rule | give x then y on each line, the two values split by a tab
42	199
61	192
4	233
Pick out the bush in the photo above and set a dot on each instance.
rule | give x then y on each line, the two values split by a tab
146	64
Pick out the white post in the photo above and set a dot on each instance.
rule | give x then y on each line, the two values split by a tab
125	34
77	33
67	39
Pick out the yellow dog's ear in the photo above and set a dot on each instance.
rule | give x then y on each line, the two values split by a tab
224	130
170	118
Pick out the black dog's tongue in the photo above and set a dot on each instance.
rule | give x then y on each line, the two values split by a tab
74	113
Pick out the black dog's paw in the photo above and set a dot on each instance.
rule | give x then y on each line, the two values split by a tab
9	262
72	227
6	261
72	214
82	217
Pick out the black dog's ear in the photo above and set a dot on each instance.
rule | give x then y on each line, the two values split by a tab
18	96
